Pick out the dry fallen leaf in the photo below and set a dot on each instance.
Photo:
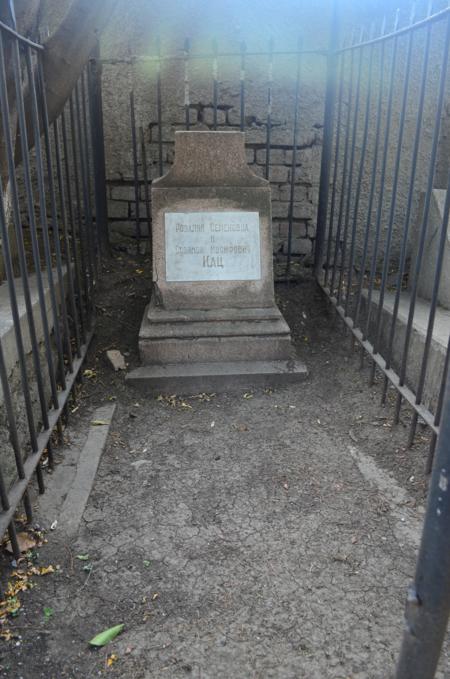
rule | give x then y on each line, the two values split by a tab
112	659
25	542
100	423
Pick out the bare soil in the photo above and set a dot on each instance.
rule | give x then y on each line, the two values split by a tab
234	535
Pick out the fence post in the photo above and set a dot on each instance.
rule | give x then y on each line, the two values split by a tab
327	143
98	148
428	601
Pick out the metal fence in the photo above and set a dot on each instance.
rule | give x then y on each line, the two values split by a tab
383	132
384	111
50	251
270	115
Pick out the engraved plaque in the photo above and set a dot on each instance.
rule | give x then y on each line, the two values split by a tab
212	246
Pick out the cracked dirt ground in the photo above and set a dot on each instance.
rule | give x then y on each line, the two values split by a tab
252	535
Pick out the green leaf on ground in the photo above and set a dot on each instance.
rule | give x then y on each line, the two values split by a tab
48	612
83	557
147	563
106	636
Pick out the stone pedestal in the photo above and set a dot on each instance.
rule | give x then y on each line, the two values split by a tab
212	321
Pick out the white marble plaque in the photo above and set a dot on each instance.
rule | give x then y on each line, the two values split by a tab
212	246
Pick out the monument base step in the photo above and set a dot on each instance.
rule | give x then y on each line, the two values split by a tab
186	379
224	335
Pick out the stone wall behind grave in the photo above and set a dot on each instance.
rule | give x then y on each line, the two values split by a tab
135	33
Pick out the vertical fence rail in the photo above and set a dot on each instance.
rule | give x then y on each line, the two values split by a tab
48	254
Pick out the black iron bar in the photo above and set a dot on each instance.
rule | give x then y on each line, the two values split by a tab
425	214
187	102
74	131
335	177
350	173
159	109
148	210
54	216
135	174
373	178
269	107
242	86
361	169
50	456
215	76
91	224
73	236
293	165
344	170
44	220
409	201
437	418
327	148
40	478
431	18
428	599
86	218
397	166
98	149
66	240
4	109
383	169
21	38
13	540
10	415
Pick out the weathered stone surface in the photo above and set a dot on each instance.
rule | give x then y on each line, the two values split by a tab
116	358
209	159
430	252
122	193
210	174
213	300
189	378
119	209
208	116
299	246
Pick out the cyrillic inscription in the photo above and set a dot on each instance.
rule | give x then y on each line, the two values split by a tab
212	246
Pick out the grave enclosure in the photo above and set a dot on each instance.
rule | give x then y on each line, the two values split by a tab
349	176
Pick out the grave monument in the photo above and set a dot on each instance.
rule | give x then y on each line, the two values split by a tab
212	323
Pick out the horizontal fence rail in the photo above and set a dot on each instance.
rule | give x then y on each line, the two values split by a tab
384	201
48	267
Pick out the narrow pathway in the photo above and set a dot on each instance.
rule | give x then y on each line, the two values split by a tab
254	535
